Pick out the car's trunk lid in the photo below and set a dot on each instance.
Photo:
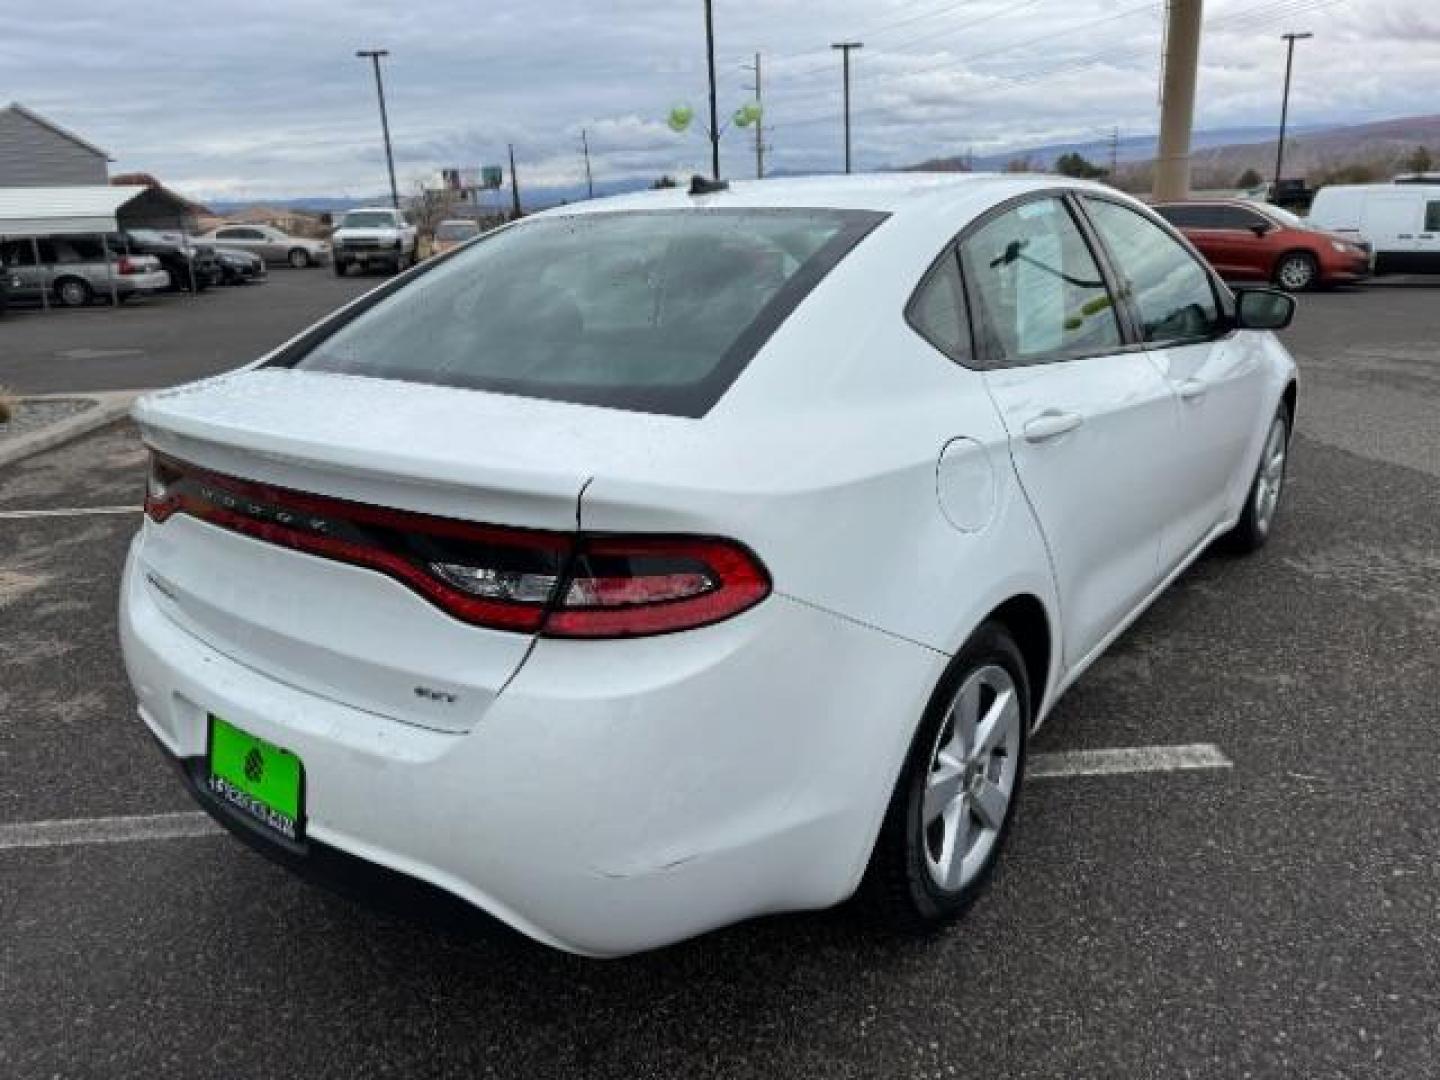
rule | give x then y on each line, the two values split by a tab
344	631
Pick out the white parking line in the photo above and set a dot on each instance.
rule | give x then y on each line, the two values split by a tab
105	830
1132	759
76	511
119	830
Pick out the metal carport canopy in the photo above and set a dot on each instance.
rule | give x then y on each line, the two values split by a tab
63	211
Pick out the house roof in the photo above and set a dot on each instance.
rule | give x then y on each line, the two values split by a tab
21	110
54	211
146	180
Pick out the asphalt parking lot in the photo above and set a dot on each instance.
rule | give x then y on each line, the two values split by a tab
1278	916
165	339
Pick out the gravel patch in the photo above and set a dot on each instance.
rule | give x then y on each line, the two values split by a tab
32	415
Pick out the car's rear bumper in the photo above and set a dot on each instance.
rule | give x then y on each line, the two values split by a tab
155	281
616	796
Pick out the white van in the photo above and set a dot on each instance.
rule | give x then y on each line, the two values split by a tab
1400	221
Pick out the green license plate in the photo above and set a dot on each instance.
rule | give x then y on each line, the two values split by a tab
261	781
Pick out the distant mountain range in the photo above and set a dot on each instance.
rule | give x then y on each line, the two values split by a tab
1219	149
1129	149
1234	149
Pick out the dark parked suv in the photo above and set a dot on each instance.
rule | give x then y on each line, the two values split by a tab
177	255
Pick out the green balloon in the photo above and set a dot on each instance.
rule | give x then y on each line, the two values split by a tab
747	115
680	117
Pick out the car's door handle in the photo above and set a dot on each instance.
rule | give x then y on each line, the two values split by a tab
1051	425
1193	389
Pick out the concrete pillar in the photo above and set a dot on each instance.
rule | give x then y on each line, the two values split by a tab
1177	102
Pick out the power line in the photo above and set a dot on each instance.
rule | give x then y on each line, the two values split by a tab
1266	14
986	54
879	30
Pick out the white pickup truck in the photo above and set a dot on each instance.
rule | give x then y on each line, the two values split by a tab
373	235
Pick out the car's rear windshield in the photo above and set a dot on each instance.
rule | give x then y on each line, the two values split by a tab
456	230
657	311
367	219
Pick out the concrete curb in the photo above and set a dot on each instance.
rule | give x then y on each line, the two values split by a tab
109	406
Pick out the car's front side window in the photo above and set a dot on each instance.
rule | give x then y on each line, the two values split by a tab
1432	217
1041	293
1172	293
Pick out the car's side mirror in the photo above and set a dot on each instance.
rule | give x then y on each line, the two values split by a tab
1260	230
1263	309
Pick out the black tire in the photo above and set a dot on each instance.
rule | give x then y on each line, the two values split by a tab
898	888
1257	521
339	268
1297	271
73	292
299	258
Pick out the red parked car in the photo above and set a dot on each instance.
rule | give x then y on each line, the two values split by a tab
1248	241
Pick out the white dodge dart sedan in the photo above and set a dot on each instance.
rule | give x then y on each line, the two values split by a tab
671	559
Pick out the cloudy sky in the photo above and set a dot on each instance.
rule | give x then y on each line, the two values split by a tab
265	98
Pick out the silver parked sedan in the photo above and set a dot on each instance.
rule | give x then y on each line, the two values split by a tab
269	243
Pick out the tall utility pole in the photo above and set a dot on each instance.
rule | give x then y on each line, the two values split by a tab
514	187
1114	152
845	47
759	122
374	55
1289	40
714	117
589	179
1177	101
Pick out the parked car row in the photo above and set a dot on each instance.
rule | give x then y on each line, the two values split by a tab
73	271
1353	232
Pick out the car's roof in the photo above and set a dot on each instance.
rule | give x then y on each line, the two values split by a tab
892	193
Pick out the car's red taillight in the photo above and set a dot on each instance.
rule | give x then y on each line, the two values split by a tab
123	265
626	586
505	578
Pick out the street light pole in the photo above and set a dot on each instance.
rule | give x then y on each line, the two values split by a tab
845	47
714	116
1289	40
374	55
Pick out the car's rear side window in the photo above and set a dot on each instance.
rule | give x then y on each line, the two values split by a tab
657	311
937	311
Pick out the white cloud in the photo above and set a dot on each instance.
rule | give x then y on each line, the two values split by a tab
267	99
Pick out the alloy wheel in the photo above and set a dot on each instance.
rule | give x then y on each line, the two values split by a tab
1296	273
1271	478
974	766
